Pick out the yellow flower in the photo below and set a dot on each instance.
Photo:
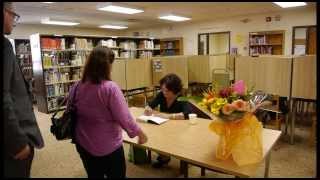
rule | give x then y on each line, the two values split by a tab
214	109
204	100
221	101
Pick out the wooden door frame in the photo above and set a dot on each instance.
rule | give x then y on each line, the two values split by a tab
307	37
208	35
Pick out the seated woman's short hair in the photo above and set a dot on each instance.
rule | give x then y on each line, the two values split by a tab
172	82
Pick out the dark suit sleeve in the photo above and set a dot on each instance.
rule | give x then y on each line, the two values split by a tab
15	139
156	101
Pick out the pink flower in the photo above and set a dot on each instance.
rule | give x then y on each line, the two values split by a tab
226	92
227	109
239	87
240	105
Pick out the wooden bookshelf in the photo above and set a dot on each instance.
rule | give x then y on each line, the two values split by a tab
171	46
266	43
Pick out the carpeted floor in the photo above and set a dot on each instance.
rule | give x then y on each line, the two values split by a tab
60	159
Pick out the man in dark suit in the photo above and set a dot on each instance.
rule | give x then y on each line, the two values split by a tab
21	131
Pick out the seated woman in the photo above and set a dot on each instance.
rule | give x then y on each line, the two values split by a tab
170	107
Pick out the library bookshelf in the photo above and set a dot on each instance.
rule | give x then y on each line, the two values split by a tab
58	61
171	46
266	43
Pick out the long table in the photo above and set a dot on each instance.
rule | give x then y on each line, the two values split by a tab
195	144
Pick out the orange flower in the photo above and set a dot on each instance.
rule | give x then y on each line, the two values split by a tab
240	105
227	109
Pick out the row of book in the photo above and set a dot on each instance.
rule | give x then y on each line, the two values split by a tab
128	45
108	43
60	43
258	40
168	45
81	43
128	54
145	54
57	90
23	48
62	75
64	58
146	44
52	43
261	50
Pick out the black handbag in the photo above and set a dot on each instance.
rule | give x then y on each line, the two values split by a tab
63	127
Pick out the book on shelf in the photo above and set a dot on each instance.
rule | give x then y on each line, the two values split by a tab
146	44
152	119
145	54
128	45
108	43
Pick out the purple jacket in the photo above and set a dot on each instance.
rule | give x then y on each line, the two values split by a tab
102	113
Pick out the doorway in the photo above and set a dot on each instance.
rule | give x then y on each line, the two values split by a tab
214	43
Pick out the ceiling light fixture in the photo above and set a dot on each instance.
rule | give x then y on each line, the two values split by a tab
119	9
290	4
174	18
60	23
113	27
48	2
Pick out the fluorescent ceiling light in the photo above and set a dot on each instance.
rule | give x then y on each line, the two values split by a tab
48	2
119	9
113	27
61	23
174	18
290	4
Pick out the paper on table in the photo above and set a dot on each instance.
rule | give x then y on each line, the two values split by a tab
152	119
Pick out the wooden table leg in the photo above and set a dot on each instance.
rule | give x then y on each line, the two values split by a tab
203	171
149	156
184	168
267	165
293	118
286	124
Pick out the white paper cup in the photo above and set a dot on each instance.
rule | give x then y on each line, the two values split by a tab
192	118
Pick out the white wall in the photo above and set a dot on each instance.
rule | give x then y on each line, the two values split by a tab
239	30
23	31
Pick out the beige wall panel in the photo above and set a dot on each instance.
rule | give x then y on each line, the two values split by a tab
118	73
172	64
304	83
198	69
270	74
138	73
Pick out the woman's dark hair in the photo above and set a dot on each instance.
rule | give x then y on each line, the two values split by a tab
172	82
98	65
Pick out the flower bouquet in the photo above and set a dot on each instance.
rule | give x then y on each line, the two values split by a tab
232	103
235	123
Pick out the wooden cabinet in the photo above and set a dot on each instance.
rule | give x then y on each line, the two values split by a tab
171	46
266	42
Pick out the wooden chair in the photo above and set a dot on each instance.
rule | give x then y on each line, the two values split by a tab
221	77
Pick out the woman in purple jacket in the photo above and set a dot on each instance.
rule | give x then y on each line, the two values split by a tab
102	114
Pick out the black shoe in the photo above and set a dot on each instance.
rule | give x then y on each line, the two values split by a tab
159	164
